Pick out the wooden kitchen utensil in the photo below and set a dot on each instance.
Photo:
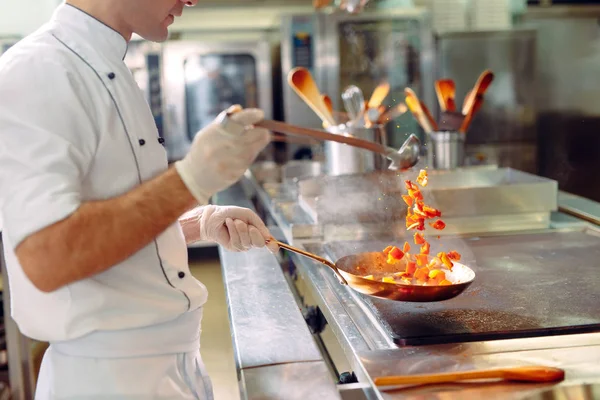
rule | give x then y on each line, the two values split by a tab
393	113
327	101
446	91
414	105
427	113
405	157
302	82
519	374
478	102
379	94
293	139
481	86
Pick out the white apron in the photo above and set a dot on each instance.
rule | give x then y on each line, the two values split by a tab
174	376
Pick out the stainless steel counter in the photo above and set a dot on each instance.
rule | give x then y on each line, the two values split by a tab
275	353
368	350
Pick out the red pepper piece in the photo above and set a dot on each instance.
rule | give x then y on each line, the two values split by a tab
406	247
396	253
411	267
422	274
432	212
415	194
425	248
410	186
446	261
387	250
408	200
419	239
454	256
422	259
439	225
422	178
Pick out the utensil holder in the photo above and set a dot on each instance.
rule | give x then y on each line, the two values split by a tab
446	149
341	159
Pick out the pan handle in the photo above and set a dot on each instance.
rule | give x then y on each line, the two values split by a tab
313	256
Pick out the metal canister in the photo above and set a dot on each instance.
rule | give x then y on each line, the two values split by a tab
341	159
446	149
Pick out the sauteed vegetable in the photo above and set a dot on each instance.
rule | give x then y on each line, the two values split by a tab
421	268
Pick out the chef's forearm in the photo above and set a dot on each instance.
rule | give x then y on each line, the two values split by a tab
101	234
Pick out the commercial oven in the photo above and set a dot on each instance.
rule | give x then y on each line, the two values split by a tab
364	49
202	78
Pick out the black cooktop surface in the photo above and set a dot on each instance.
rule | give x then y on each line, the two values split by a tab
526	285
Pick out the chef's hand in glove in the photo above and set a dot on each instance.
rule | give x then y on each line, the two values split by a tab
222	152
235	228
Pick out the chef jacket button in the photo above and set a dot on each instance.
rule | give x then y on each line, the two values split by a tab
142	142
161	140
181	274
111	76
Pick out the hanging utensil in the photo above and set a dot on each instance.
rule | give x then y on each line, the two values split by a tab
393	113
304	85
405	158
446	91
481	86
351	270
354	103
518	374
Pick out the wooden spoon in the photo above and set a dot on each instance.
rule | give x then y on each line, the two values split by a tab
478	102
414	105
446	91
481	86
427	113
293	139
519	374
282	127
304	85
393	113
328	103
379	94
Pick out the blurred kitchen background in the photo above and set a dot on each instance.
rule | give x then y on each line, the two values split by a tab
541	115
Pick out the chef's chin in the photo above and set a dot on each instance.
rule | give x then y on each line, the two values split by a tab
157	35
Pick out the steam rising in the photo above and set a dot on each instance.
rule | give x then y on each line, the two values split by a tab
366	212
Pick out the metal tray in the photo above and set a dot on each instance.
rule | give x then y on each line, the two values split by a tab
470	200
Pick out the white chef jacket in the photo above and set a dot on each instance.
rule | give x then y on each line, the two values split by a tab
74	127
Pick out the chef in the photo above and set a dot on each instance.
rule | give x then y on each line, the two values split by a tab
95	222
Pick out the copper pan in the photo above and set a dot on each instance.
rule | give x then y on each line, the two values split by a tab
350	271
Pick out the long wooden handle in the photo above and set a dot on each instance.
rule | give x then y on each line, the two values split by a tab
293	139
521	374
282	127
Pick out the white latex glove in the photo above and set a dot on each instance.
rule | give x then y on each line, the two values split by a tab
220	154
235	228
